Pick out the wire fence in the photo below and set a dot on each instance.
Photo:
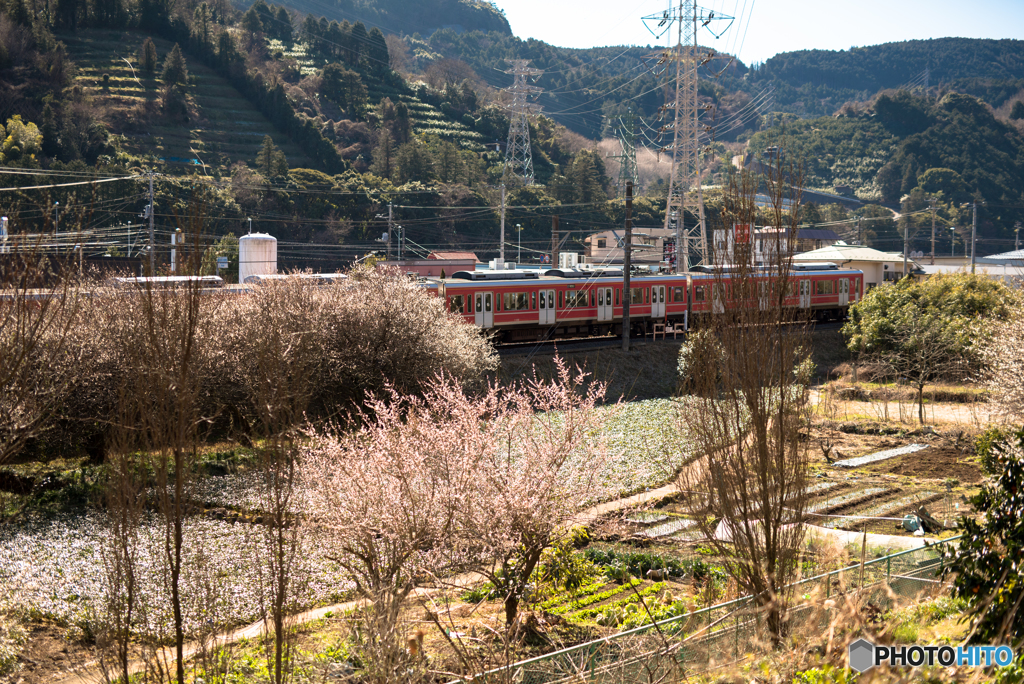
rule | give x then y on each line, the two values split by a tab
703	640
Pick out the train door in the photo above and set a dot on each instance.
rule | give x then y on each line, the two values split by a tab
805	294
844	291
483	309
546	307
762	295
604	304
658	301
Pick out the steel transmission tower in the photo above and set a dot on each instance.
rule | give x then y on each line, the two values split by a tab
684	178
626	133
518	158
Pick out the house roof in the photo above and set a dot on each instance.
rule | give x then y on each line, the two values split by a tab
841	251
454	256
1016	255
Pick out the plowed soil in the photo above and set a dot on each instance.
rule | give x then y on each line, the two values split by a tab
937	462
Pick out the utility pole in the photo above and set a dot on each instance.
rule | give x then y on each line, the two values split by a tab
860	234
974	233
931	203
627	253
554	241
906	244
501	250
152	231
519	252
684	190
390	228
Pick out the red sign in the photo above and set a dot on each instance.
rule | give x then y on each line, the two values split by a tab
741	233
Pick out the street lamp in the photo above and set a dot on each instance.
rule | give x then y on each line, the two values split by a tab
952	244
56	216
519	234
250	226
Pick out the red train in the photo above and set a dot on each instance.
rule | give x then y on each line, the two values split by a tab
530	304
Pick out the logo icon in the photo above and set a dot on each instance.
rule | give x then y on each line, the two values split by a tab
862	655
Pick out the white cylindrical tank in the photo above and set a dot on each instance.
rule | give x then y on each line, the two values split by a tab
257	255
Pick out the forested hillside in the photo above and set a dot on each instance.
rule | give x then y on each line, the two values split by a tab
311	126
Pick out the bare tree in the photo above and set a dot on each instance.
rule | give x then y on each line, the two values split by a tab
163	344
926	347
745	413
1004	355
36	310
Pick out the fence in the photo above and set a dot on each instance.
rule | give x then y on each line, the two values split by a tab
715	636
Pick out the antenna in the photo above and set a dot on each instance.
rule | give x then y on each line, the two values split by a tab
518	157
684	179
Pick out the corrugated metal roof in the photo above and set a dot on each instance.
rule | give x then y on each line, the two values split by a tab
844	252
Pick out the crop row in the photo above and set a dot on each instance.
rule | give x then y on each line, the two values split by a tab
591	613
577	604
562	596
882	509
843	499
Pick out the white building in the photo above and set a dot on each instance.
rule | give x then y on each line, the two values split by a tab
878	267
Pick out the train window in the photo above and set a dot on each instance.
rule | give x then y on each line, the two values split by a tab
591	298
661	295
575	299
497	302
617	295
456	304
636	295
516	301
560	305
479	306
677	295
790	288
824	287
647	296
533	300
487	302
600	297
698	293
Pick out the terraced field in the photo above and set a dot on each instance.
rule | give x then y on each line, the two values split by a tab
426	119
228	128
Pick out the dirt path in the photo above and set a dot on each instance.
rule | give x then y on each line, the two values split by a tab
90	672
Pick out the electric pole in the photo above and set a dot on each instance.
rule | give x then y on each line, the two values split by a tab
554	242
931	203
501	250
860	234
684	190
390	228
906	244
627	253
518	157
626	133
152	231
974	233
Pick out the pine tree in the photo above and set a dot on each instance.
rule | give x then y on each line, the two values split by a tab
266	162
284	25
251	22
377	51
1018	110
383	163
175	70
147	56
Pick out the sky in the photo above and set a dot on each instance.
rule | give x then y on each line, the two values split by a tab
765	27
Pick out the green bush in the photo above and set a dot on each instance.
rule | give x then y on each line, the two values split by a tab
826	674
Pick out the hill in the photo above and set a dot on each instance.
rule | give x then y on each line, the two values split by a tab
224	127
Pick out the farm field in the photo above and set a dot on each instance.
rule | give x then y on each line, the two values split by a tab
227	127
55	564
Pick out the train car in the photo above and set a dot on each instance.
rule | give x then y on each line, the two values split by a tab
522	305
